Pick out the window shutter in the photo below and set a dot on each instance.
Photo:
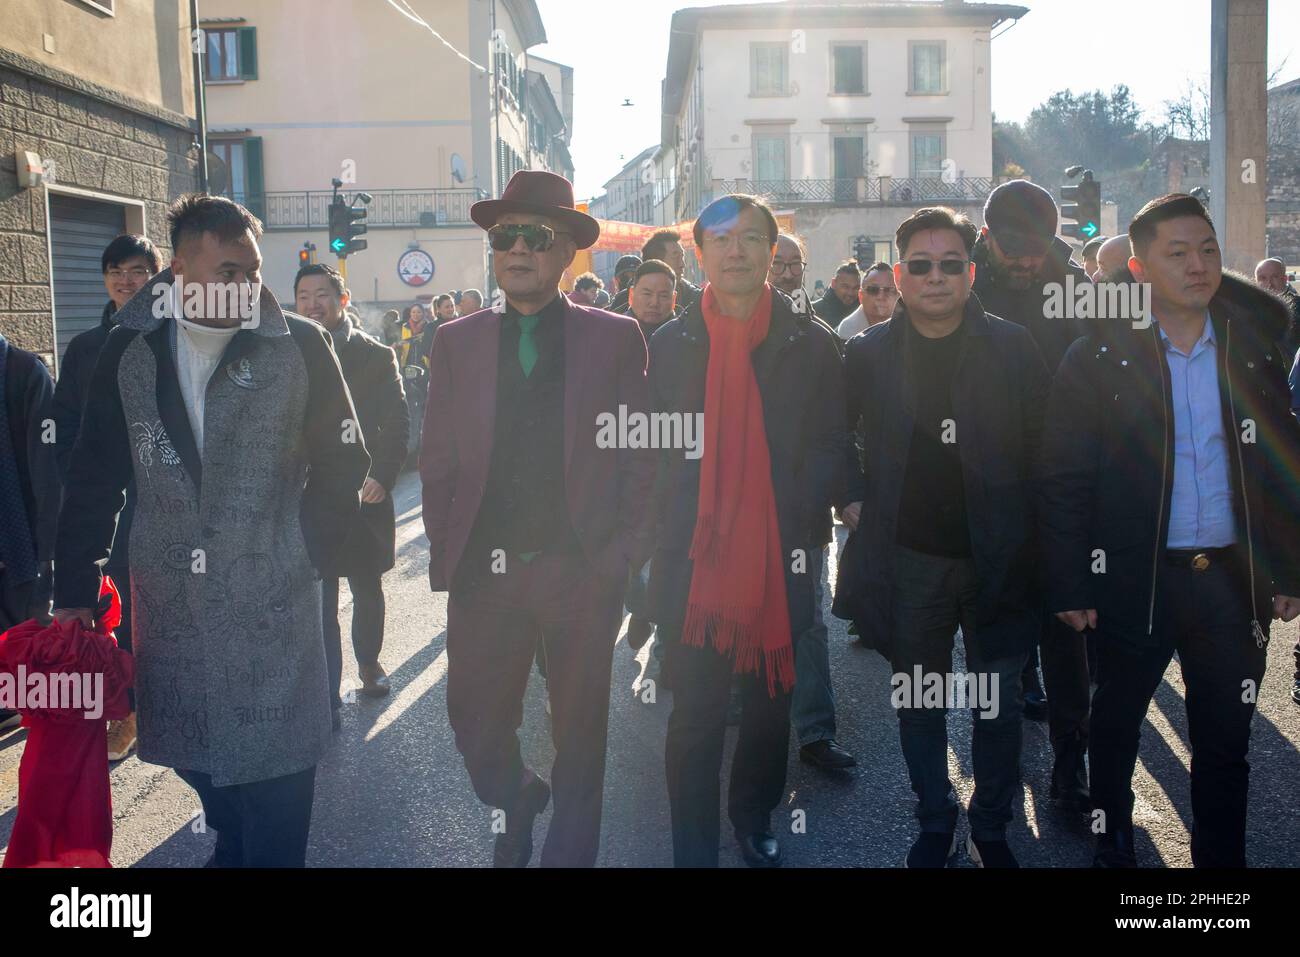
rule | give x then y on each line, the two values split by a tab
256	200
248	53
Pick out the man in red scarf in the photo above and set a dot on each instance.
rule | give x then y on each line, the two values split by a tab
731	580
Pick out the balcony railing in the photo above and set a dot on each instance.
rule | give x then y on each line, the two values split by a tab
864	190
309	209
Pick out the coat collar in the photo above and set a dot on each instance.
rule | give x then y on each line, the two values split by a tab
1264	314
973	317
784	326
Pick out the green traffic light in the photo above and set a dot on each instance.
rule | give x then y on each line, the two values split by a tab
1089	229
338	244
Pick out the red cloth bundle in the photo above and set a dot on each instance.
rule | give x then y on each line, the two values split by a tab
65	810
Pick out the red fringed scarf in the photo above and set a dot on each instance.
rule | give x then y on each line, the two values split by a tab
738	583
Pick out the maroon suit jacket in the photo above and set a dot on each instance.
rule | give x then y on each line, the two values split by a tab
608	490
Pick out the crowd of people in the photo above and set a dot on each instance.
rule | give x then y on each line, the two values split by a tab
1101	491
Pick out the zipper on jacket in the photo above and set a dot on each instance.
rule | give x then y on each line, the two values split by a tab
1164	476
1261	639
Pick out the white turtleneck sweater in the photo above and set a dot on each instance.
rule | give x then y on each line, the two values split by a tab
198	353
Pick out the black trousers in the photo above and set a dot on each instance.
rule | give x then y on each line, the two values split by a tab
701	682
259	824
1064	655
367	624
1206	618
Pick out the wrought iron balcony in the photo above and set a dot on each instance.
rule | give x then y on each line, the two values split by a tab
883	190
309	209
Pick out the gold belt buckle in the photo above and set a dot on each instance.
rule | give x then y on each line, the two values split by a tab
1200	562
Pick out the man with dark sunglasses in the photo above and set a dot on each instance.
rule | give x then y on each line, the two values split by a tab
878	294
950	401
533	517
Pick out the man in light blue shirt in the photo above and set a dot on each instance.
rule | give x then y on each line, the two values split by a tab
1200	508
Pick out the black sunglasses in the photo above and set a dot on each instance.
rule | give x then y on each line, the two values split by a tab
537	237
877	290
949	267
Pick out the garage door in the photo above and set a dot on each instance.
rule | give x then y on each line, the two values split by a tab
79	231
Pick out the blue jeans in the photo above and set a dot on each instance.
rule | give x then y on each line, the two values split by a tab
812	705
932	597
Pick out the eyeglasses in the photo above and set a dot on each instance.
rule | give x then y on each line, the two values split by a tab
139	272
537	237
949	267
779	266
877	290
750	241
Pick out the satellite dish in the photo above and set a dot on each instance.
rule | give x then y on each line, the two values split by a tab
457	168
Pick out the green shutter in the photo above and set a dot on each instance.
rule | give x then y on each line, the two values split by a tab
256	198
248	53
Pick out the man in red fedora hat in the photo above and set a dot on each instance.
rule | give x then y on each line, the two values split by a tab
534	515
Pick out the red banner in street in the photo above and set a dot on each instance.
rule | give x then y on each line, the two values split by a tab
620	237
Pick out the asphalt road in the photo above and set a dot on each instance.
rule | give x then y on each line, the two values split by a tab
393	791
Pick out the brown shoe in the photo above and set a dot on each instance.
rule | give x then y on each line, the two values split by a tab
374	680
121	737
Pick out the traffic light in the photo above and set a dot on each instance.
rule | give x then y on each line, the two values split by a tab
306	255
1082	203
346	223
862	251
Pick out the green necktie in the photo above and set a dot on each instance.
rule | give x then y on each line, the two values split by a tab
527	344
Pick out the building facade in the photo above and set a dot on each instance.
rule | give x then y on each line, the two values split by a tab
846	115
628	197
302	94
97	107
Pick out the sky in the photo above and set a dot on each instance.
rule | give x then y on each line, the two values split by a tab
618	49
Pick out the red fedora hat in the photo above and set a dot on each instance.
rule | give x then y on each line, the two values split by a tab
537	191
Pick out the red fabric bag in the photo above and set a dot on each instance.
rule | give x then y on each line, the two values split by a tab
65	810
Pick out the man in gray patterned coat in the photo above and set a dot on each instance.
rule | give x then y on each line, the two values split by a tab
236	425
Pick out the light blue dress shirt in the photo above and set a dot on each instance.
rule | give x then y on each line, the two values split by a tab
1200	511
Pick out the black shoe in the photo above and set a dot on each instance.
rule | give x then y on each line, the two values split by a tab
932	849
1035	705
1115	848
760	850
1070	778
990	854
827	755
638	632
9	719
1295	692
514	847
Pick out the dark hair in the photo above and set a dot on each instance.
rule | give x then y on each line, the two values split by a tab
197	213
128	246
392	315
321	269
657	241
877	266
588	280
728	208
935	217
415	305
849	267
444	297
1170	206
652	267
1093	245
